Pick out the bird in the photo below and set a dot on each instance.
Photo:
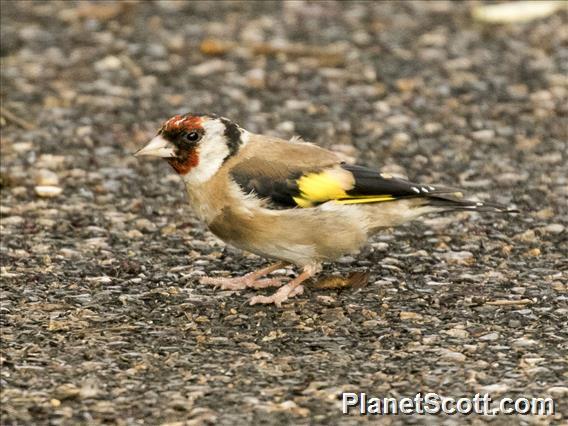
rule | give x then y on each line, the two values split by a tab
288	201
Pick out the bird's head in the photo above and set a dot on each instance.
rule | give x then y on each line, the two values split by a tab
196	145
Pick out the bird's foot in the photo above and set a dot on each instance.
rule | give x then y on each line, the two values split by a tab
283	293
293	288
240	283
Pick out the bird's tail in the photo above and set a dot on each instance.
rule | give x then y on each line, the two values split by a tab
453	202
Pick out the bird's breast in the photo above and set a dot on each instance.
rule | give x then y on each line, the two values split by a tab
299	236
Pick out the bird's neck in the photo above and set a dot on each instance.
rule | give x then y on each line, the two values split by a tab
205	204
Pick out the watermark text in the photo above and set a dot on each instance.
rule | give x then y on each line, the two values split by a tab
432	403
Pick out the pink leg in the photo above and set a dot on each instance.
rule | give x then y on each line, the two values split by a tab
249	280
291	289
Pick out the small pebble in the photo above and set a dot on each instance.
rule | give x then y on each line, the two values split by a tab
410	316
457	333
554	228
524	342
48	191
44	177
458	257
558	391
494	389
453	357
109	63
489	337
483	135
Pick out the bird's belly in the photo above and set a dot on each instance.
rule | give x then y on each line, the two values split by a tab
299	236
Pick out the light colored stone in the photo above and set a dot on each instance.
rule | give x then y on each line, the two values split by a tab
145	225
494	389
558	391
554	228
48	191
453	356
134	234
45	177
489	337
485	135
527	236
458	333
524	342
100	280
11	220
410	316
458	257
108	63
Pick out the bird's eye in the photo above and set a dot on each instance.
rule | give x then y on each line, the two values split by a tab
192	136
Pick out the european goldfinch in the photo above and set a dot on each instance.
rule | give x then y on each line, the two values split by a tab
290	201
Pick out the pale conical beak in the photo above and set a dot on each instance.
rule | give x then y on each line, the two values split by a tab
157	147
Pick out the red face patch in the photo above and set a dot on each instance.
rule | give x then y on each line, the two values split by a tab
176	130
185	164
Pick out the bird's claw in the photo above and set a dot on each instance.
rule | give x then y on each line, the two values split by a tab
226	283
241	283
283	294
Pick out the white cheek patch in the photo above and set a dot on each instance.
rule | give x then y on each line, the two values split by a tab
212	151
245	137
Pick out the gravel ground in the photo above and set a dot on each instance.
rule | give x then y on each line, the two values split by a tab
103	318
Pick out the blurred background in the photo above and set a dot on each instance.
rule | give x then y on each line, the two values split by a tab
402	81
100	253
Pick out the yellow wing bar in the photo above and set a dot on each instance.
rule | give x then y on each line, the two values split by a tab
365	199
331	184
